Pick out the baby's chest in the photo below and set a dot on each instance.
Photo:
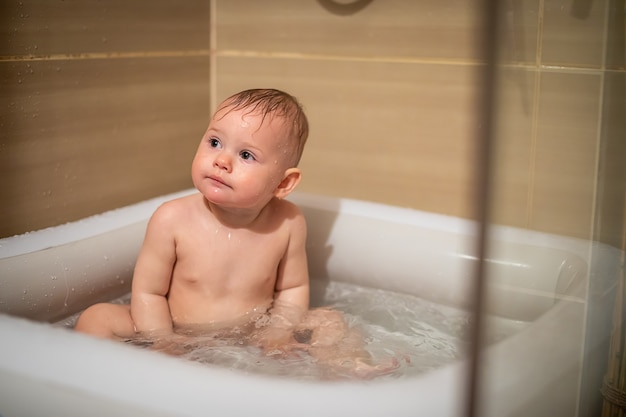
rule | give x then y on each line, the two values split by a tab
231	260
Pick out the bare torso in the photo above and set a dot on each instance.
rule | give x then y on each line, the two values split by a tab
224	272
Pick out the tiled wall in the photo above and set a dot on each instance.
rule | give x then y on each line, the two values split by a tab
560	143
391	91
103	103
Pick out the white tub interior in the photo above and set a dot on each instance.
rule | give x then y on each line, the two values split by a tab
50	274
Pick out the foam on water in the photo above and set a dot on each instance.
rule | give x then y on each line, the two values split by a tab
420	334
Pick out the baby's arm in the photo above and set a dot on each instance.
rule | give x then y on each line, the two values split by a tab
151	280
291	296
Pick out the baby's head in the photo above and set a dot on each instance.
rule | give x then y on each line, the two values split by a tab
273	104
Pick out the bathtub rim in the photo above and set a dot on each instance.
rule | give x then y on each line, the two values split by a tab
107	221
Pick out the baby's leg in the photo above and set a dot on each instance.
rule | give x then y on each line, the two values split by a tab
340	348
104	320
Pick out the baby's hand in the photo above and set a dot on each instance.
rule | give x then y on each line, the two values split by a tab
277	341
168	343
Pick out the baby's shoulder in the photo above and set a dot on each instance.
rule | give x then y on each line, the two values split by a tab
289	215
176	210
287	210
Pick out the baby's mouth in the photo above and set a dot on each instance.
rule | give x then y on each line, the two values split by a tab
218	180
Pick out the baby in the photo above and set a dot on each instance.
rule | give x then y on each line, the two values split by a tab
236	248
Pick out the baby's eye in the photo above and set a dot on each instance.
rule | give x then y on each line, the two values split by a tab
214	143
246	155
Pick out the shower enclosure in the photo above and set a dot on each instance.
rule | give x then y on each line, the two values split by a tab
103	104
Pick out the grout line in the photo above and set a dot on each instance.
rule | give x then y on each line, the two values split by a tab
214	53
213	56
532	163
105	55
233	53
347	58
594	227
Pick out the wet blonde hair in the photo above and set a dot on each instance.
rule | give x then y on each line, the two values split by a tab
272	102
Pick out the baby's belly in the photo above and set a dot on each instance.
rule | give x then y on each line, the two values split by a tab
192	312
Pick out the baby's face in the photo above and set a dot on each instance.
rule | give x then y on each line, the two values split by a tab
241	158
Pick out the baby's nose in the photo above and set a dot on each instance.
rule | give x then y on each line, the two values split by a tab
223	161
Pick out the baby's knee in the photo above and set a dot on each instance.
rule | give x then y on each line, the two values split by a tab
106	320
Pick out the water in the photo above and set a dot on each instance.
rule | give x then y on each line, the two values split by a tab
417	334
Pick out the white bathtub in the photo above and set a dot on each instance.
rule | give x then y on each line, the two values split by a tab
53	273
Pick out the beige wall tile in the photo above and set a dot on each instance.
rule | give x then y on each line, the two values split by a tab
41	27
567	147
616	36
390	28
569	40
520	23
512	169
82	136
611	200
394	133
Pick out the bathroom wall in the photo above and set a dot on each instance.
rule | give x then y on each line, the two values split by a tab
102	104
559	146
390	91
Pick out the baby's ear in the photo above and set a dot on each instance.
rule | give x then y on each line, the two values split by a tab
290	180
